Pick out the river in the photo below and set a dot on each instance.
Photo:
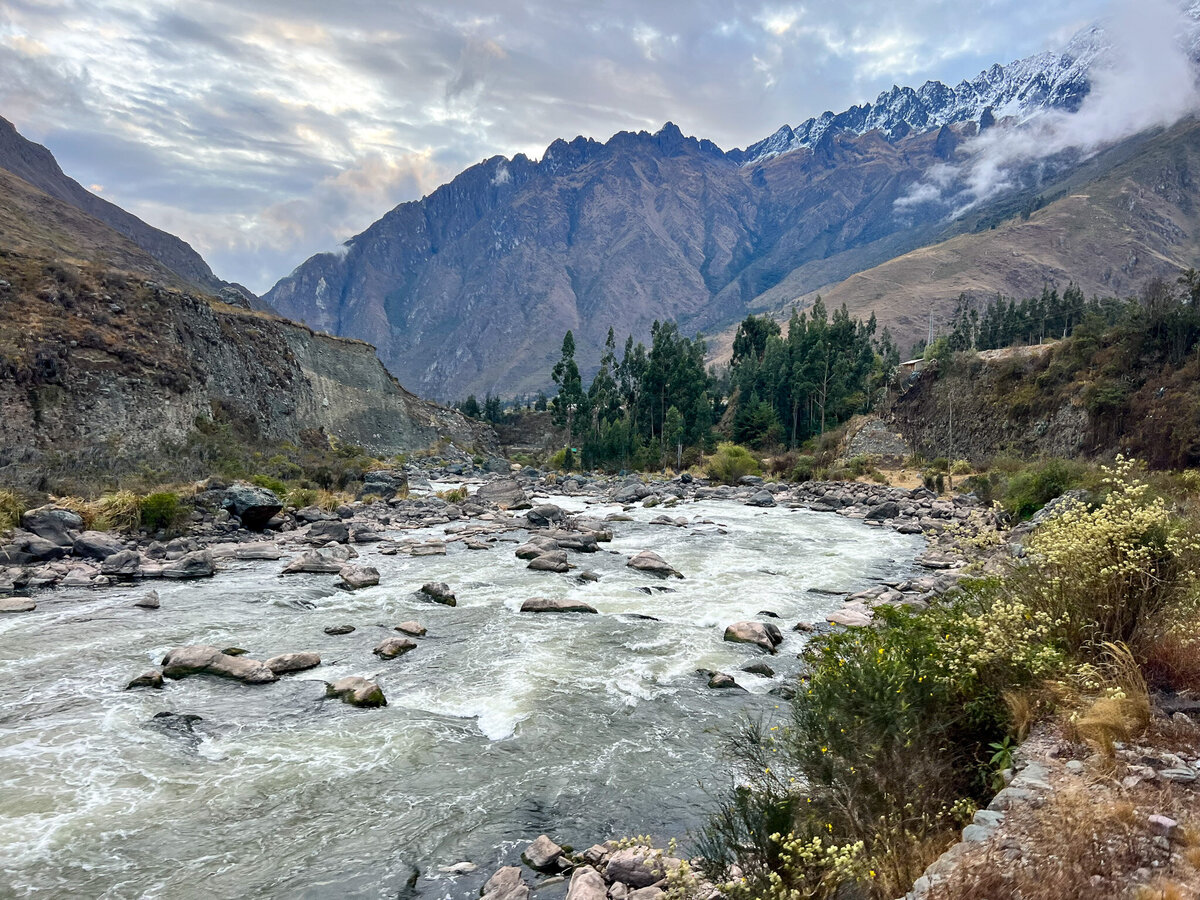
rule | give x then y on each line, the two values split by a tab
499	726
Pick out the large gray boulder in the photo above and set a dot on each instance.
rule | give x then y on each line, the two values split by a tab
545	604
326	561
253	505
52	523
293	662
535	547
96	545
16	604
505	493
197	564
635	867
439	592
761	634
355	577
199	659
587	884
550	561
124	564
384	484
542	854
356	691
328	532
650	562
545	515
761	498
506	884
390	648
631	493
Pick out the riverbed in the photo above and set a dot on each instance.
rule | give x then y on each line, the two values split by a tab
500	726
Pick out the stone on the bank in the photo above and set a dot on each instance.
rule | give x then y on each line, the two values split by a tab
761	498
545	604
52	523
587	884
761	634
328	532
506	884
542	854
850	617
253	505
293	662
390	648
637	867
889	509
416	629
150	679
197	564
96	545
505	493
356	691
16	604
439	592
550	561
199	659
148	601
124	564
651	562
631	493
355	577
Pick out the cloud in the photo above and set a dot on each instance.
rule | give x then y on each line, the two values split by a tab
261	132
1146	78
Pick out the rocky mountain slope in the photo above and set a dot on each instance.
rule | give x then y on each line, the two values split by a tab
469	289
37	166
108	359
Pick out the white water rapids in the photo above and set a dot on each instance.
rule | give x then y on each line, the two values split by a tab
499	726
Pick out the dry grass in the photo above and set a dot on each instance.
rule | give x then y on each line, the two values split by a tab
11	508
1120	713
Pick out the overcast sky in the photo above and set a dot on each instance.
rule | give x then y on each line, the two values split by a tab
262	131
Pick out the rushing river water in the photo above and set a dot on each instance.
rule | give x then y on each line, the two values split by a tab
499	726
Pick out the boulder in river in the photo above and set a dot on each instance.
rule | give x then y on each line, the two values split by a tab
505	493
432	548
439	592
545	604
761	498
96	545
328	532
651	562
124	564
326	561
550	561
506	884
293	662
149	679
198	659
535	547
338	629
888	509
761	634
356	691
254	505
542	854
197	564
147	601
545	515
390	648
415	629
355	577
16	604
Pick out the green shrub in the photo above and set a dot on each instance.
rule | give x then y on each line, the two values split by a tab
11	509
960	467
300	497
271	484
563	460
161	510
454	495
731	462
804	468
1030	489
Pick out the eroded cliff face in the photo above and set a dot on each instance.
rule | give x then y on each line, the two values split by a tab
106	371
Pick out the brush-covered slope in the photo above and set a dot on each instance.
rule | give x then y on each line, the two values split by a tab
108	360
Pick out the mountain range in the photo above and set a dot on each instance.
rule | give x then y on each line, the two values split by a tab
469	289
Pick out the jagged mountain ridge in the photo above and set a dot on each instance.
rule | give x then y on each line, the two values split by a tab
469	289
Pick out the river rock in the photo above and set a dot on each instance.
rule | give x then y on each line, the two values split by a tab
416	629
432	548
124	564
637	867
253	505
259	550
96	545
506	884
199	659
651	562
148	601
149	679
52	523
580	542
459	868
889	509
16	605
355	577
390	648
535	547
544	604
505	493
326	561
759	668
439	592
293	662
328	532
384	484
339	629
545	515
631	493
197	564
719	680
587	884
761	498
761	634
551	561
851	616
356	691
542	854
